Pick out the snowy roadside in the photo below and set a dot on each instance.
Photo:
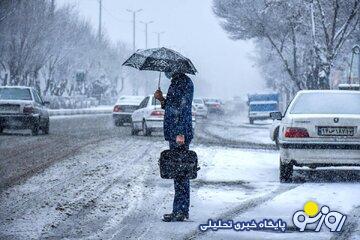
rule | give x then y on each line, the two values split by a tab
234	130
94	110
257	167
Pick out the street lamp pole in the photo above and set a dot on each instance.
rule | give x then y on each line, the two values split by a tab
134	25
146	32
100	20
159	37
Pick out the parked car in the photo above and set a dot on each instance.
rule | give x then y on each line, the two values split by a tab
320	128
149	117
23	108
124	108
214	105
200	107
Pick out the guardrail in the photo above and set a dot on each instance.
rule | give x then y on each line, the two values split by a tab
65	112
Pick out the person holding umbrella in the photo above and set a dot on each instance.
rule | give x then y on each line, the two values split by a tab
178	130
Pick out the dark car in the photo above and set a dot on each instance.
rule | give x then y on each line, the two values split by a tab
23	108
124	107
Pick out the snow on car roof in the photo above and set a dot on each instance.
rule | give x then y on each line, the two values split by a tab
131	100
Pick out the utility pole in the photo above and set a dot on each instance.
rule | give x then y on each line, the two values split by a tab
134	25
100	20
146	32
159	37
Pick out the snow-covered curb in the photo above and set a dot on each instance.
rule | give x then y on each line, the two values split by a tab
96	110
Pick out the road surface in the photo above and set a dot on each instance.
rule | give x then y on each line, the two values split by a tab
91	180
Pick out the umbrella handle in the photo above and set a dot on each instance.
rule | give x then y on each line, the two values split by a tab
159	81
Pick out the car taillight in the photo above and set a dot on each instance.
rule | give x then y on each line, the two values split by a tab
28	109
193	114
296	133
157	113
117	108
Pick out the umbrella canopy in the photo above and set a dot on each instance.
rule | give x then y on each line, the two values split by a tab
162	60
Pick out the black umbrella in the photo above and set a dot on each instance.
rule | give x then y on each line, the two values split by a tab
162	60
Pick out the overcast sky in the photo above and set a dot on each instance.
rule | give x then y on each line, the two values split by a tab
191	28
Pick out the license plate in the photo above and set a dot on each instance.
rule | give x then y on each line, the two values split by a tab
336	131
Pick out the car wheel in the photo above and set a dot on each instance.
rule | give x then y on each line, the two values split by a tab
46	128
145	129
118	123
133	130
276	138
286	171
1	129
35	129
251	121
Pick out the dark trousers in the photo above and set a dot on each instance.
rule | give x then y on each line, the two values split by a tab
182	188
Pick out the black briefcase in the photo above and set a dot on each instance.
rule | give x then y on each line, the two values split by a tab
178	164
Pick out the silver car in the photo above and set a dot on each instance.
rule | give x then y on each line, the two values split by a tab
23	108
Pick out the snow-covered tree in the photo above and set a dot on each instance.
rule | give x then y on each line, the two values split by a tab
305	36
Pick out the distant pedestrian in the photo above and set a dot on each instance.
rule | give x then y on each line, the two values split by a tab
178	131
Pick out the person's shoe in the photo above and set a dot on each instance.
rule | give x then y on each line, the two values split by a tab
175	217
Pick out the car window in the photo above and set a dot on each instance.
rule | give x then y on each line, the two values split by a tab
15	94
37	97
263	107
144	102
327	103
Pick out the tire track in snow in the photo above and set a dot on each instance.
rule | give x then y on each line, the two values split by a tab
38	199
68	229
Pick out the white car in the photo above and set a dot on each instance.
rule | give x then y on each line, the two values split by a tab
124	108
200	107
149	117
320	128
23	108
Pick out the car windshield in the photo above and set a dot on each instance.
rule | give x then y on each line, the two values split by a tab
263	107
198	101
327	103
15	94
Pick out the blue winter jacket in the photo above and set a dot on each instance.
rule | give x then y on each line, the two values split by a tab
178	108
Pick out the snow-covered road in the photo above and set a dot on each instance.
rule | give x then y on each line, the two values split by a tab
99	182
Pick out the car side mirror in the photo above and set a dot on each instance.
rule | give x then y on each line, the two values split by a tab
276	115
46	103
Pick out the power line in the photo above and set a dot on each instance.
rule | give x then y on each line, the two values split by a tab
115	17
